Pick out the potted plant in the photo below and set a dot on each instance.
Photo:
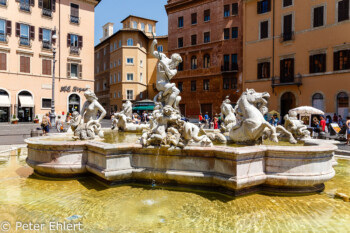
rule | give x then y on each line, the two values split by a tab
14	119
36	119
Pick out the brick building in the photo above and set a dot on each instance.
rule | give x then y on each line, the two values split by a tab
208	36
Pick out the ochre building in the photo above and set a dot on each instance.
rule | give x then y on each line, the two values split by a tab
124	69
208	35
299	52
28	31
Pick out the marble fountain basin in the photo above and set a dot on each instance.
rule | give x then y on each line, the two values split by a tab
237	170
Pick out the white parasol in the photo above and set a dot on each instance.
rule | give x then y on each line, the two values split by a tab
307	110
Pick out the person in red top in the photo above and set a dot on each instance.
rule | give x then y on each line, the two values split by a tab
216	122
200	118
323	124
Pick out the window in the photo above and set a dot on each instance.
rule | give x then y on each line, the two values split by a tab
111	79
234	32
111	65
119	77
130	77
111	48
180	86
226	83
141	63
160	48
263	70
97	86
129	60
226	62
25	5
115	78
287	70
97	69
180	22
3	61
129	94
3	2
287	3
207	15
150	28
233	83
194	18
24	34
287	27
343	10
206	61
46	103
134	24
24	64
45	36
193	62
318	63
317	101
118	94
74	13
226	10
141	77
76	42
235	9
46	67
193	85
104	66
264	29
104	51
120	43
104	84
180	42
180	66
5	29
73	70
142	27
226	33
193	39
206	37
264	6
115	64
119	62
115	45
130	42
318	16
234	62
342	60
114	95
206	84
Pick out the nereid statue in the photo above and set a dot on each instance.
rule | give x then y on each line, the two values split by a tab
296	126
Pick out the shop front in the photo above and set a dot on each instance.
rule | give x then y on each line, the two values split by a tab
25	110
73	103
5	106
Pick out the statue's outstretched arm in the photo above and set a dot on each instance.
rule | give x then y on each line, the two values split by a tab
155	53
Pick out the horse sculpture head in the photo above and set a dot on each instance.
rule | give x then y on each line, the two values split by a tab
257	99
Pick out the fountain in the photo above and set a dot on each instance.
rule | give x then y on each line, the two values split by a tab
172	151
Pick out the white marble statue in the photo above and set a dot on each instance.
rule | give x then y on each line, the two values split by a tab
166	70
228	114
82	131
296	126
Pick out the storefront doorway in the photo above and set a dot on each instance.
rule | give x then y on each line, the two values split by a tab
287	103
5	106
74	103
25	109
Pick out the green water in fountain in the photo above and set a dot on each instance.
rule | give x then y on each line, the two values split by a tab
28	197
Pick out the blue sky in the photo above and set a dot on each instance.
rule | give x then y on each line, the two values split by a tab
116	10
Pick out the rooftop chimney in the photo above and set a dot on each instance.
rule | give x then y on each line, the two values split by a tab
107	31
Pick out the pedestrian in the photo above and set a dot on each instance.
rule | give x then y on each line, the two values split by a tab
340	121
335	118
69	117
59	124
323	124
200	118
206	118
216	122
274	120
348	130
45	124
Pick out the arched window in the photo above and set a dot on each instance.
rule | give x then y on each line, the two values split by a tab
343	104
74	103
193	62
317	101
206	61
130	42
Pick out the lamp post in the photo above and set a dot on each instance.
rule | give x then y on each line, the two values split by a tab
52	114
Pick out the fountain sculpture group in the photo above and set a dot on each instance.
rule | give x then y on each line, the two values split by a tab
172	150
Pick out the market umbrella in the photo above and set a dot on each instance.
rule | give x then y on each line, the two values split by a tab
307	110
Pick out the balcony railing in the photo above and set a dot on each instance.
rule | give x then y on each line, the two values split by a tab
3	37
227	68
287	81
74	19
74	50
47	12
287	36
24	6
3	2
24	41
47	45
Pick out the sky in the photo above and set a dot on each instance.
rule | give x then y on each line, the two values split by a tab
115	11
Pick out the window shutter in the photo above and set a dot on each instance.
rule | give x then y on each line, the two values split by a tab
21	66
292	67
260	70
53	6
324	62
346	9
80	41
53	32
2	61
68	40
258	7
268	69
80	71
336	61
40	5
40	34
32	32
27	64
311	64
18	29
32	2
43	64
8	27
268	5
281	69
68	70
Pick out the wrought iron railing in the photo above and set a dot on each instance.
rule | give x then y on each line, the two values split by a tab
3	37
74	50
24	41
287	36
47	12
294	80
74	19
47	45
227	68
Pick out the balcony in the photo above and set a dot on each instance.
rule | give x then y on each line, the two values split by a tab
3	38
47	12
74	19
287	36
287	81
226	68
24	41
3	2
74	50
47	45
24	7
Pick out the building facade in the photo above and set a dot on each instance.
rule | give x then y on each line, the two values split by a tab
208	35
27	30
299	52
124	68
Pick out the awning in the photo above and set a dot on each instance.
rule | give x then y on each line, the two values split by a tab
4	101
26	101
144	108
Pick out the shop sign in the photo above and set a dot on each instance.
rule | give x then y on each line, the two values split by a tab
74	89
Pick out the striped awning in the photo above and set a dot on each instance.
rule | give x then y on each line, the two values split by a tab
5	101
